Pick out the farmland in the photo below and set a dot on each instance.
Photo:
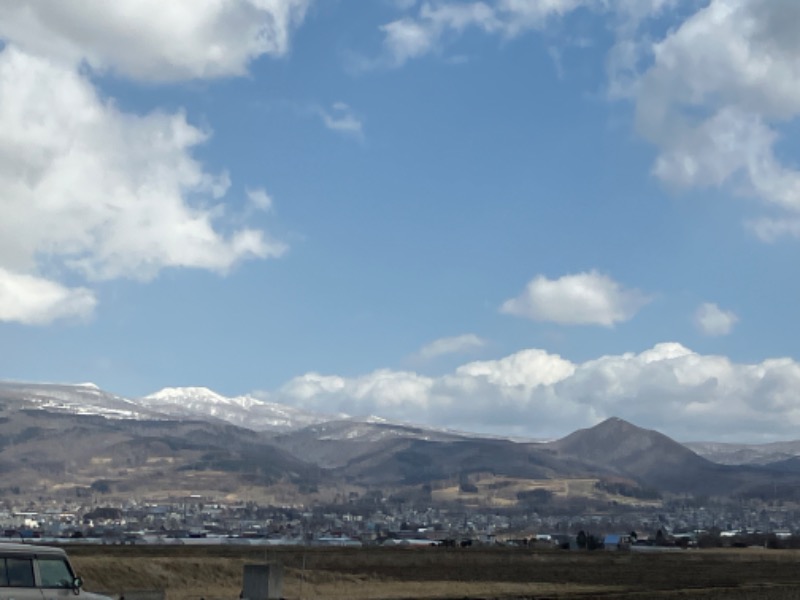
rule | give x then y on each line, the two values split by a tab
437	573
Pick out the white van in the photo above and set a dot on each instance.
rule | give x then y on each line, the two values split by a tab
30	572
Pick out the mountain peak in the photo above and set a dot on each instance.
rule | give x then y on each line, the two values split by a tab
644	453
174	393
244	411
616	436
616	423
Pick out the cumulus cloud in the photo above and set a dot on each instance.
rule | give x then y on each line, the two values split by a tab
526	368
668	387
713	98
35	301
399	391
154	40
89	189
714	94
451	345
589	298
102	191
710	319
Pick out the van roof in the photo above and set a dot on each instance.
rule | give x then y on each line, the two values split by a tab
10	548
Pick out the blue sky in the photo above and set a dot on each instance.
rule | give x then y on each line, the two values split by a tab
386	207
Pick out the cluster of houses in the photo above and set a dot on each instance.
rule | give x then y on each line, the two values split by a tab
203	520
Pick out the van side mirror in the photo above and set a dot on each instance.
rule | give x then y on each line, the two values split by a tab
77	584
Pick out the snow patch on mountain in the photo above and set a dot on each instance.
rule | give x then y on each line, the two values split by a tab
195	403
83	399
197	396
244	411
745	454
375	430
203	404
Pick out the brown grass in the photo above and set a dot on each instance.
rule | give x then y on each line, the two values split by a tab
501	491
214	573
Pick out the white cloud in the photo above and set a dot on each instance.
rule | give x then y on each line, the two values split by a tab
527	368
154	40
710	319
406	39
769	229
522	15
403	390
102	193
33	301
437	23
668	387
714	97
580	299
259	199
342	119
105	192
451	345
410	38
87	188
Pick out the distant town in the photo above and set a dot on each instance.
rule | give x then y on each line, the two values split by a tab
375	520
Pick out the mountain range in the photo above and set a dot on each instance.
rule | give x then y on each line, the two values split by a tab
79	439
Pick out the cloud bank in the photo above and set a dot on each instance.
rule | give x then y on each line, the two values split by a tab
534	393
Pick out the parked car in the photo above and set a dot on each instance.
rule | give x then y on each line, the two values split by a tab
31	572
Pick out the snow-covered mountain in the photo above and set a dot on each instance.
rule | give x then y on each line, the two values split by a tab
200	403
244	411
184	403
83	399
746	454
374	429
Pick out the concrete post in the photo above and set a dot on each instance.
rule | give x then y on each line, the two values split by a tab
263	582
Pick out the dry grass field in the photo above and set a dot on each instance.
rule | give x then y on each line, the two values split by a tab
502	491
214	573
